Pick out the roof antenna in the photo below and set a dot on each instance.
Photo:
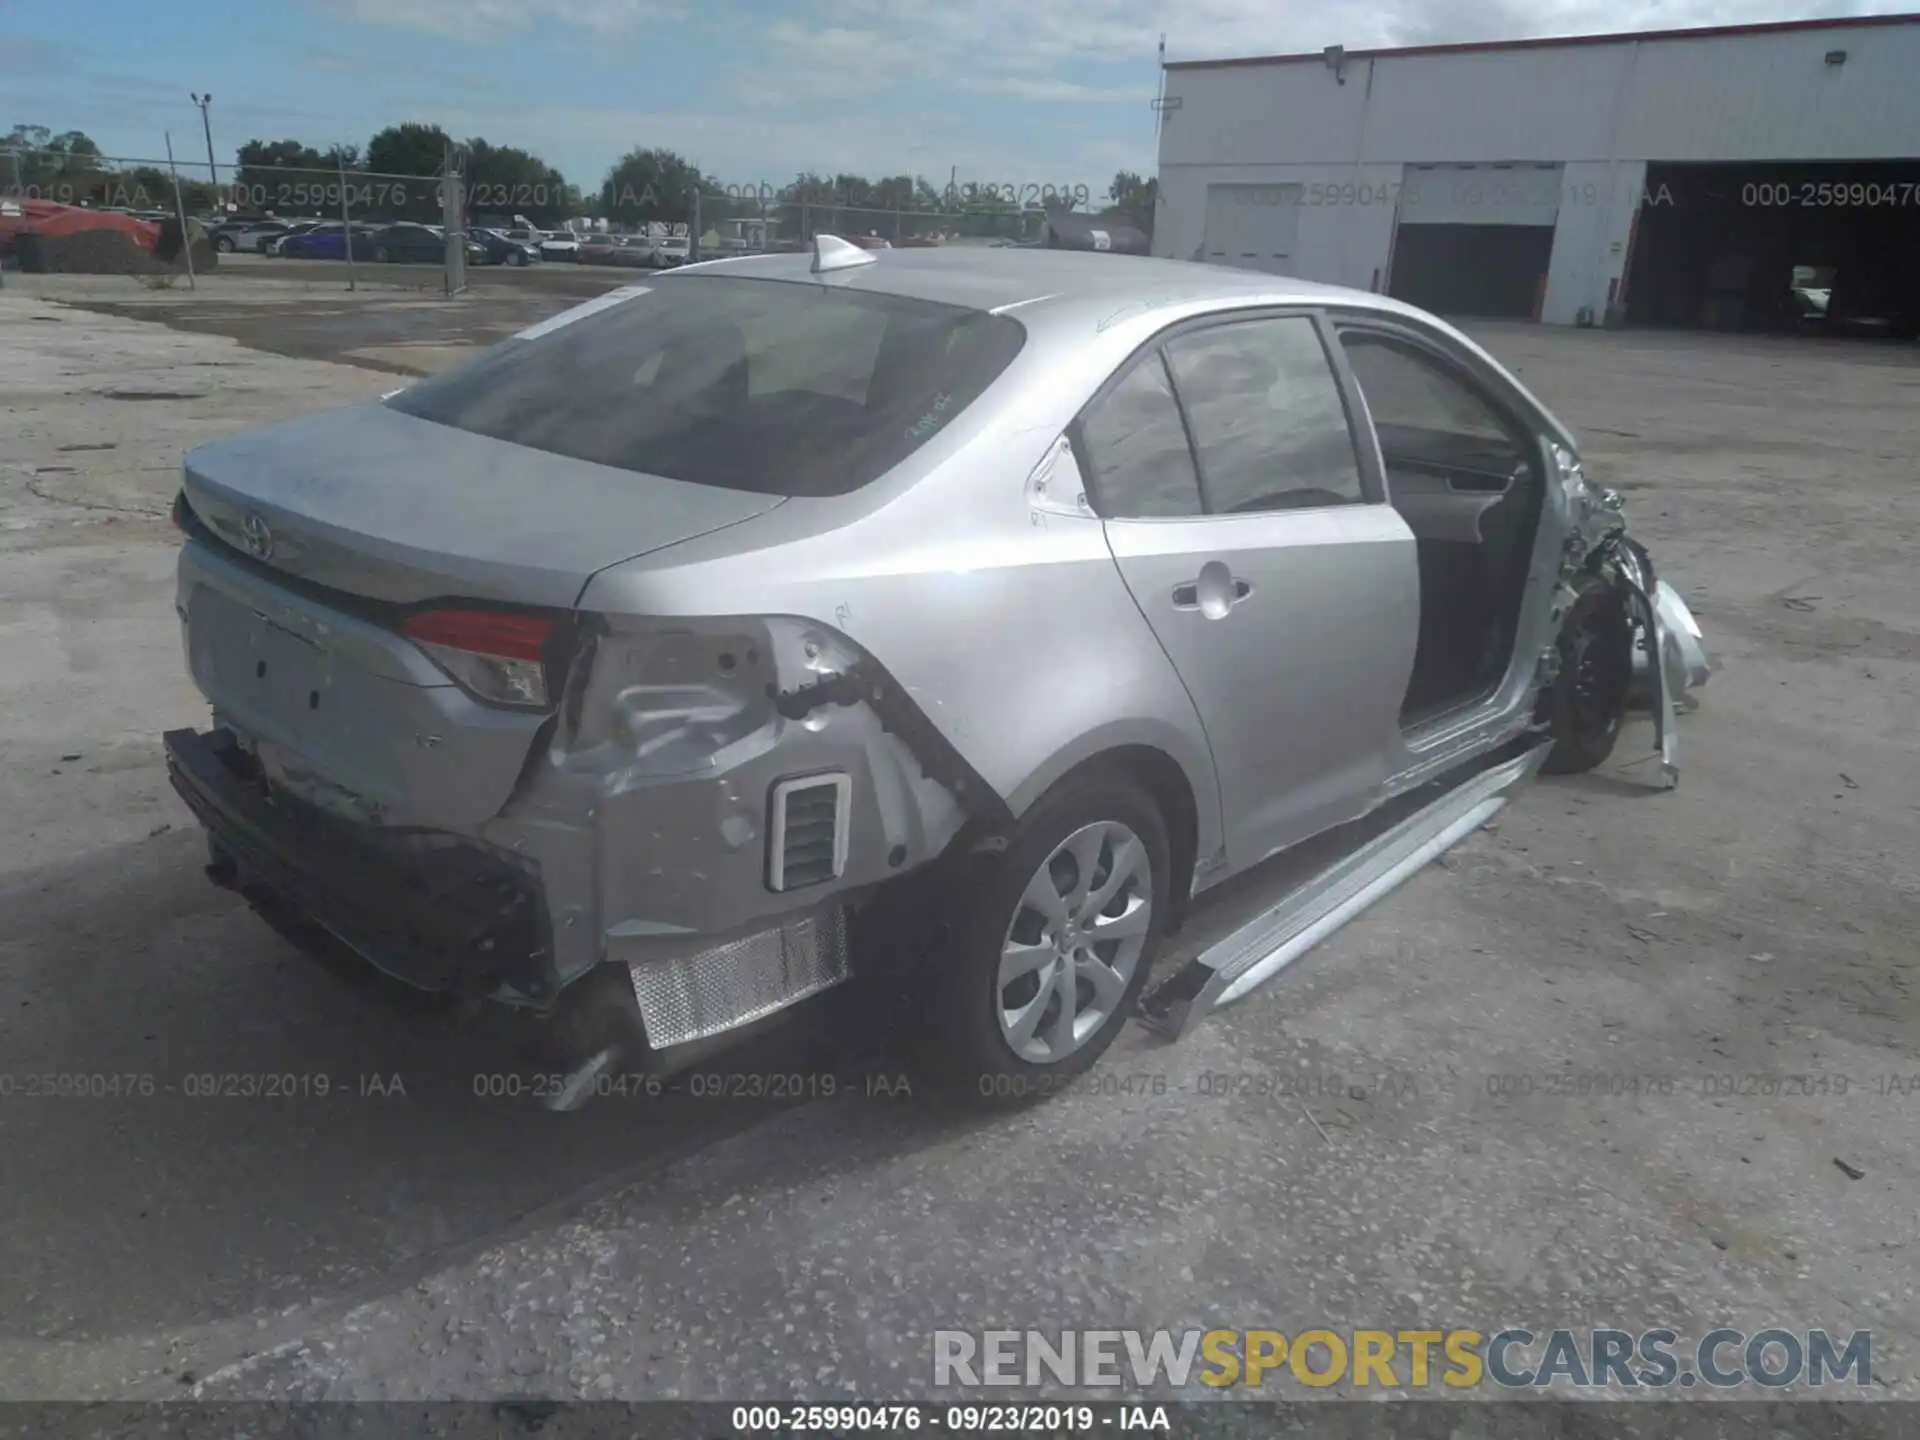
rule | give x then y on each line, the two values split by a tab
830	252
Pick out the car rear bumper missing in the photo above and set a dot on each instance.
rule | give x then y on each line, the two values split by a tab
434	910
442	913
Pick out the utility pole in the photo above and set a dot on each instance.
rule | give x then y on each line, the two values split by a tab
1160	100
206	128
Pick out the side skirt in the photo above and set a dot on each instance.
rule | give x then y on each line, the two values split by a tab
1241	962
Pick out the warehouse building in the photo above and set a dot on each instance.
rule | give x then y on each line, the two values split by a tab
1740	177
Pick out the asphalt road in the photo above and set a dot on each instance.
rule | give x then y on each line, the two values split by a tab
1603	1066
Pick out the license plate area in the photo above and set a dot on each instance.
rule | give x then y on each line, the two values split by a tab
342	711
290	685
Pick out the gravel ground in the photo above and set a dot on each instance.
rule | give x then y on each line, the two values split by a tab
1547	1083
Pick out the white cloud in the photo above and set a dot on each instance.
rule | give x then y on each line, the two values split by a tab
483	20
805	91
797	64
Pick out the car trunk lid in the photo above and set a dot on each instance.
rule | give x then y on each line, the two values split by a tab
337	527
392	508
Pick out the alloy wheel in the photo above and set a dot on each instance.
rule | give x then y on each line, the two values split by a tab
1074	942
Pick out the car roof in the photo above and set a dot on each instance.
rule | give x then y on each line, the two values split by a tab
987	278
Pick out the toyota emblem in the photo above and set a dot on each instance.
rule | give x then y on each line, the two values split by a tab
255	535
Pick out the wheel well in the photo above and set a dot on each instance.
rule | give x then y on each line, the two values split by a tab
1167	783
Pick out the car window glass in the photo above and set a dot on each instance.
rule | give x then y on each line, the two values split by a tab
1410	391
1137	448
744	383
1267	416
824	351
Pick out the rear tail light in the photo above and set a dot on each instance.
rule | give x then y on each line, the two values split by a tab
499	657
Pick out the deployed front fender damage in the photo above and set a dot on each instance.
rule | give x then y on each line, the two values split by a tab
1670	657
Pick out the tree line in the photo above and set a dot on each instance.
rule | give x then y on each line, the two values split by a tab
399	174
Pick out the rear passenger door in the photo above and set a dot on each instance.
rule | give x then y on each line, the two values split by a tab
1252	532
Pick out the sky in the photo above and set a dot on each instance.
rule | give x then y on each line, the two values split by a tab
1003	92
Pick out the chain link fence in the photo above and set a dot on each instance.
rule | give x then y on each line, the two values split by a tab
715	224
111	214
365	221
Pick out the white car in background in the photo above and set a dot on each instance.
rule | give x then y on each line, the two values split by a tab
552	244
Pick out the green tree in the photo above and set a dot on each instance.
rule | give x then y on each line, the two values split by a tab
409	149
505	181
43	165
269	169
653	185
1134	198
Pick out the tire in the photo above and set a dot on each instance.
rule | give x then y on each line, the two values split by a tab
997	1037
224	244
383	255
514	257
1587	703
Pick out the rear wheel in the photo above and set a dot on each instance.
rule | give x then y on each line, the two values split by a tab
1050	943
383	255
1587	703
224	244
514	257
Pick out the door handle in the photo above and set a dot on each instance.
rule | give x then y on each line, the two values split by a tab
1223	593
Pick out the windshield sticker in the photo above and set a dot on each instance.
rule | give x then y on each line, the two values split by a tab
581	312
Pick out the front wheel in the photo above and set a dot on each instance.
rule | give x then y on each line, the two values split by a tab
224	244
1050	943
383	255
516	258
1587	703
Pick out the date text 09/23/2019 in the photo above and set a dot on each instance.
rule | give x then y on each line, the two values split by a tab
968	1419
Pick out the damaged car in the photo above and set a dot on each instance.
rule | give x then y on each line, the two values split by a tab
952	616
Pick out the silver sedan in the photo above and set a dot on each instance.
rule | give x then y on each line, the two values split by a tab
956	616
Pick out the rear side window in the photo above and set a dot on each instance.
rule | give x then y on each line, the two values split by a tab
772	386
1136	446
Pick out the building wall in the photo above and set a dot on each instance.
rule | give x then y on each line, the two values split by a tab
1600	109
1334	240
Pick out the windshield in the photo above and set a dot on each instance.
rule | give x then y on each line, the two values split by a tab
761	385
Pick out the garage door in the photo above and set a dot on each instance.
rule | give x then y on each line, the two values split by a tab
1480	195
1475	240
1252	227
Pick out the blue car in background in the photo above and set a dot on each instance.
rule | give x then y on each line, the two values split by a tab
329	242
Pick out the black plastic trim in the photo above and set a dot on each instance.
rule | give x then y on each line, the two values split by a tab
431	909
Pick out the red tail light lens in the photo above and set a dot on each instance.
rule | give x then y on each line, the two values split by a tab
499	657
484	632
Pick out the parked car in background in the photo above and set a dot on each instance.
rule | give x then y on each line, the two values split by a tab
630	251
408	242
276	245
497	249
248	235
672	251
329	241
728	708
552	244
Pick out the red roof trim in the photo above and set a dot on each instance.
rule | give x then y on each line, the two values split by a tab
1774	27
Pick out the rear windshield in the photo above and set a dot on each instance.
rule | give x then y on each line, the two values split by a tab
772	386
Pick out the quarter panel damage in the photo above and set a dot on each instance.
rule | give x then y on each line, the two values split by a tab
649	806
